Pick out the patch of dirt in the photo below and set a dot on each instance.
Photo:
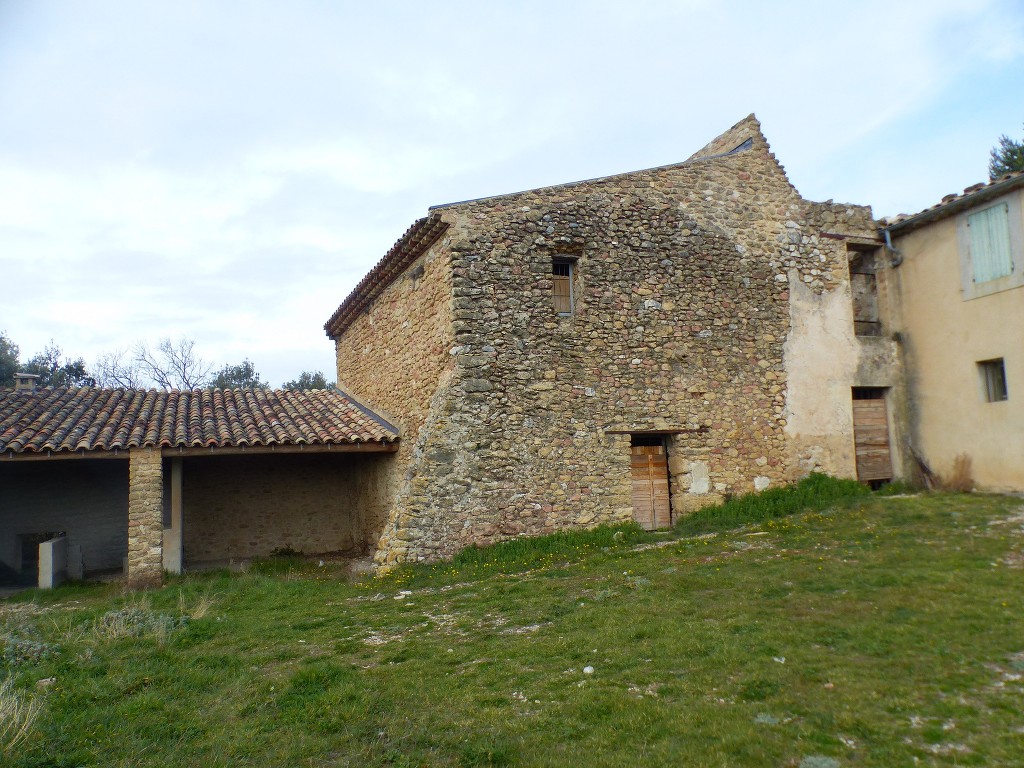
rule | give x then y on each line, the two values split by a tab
1015	520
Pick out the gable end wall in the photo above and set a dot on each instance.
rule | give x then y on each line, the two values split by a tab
684	278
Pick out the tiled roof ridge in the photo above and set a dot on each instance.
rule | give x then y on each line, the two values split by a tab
95	418
955	201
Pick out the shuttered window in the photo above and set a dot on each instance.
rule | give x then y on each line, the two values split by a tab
561	277
991	257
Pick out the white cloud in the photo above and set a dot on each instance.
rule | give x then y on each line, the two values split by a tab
229	171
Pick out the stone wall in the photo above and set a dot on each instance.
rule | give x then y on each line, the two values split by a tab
395	357
145	518
87	499
683	277
250	506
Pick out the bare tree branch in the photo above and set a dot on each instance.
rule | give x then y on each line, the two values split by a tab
173	365
112	370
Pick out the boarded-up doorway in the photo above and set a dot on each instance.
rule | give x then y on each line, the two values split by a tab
871	435
649	466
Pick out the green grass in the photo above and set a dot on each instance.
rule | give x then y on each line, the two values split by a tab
815	492
849	629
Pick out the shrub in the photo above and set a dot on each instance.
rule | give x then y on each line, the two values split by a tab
137	621
19	650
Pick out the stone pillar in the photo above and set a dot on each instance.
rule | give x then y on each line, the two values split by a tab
145	518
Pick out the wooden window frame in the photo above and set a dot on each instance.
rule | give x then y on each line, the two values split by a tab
563	275
993	380
862	267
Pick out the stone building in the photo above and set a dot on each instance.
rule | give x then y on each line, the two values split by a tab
629	347
625	348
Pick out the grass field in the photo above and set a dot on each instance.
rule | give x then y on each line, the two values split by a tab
868	631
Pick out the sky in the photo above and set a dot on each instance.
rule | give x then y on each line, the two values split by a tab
226	171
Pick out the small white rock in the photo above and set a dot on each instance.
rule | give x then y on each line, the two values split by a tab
588	670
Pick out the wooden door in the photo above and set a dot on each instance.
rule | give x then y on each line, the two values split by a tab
871	440
651	509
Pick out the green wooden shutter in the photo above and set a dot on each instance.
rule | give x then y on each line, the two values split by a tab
990	243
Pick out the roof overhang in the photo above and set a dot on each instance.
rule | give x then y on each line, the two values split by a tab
978	196
207	451
413	244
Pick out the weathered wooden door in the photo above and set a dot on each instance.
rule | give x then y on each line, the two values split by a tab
651	507
871	440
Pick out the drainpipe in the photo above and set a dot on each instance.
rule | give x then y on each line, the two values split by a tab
896	257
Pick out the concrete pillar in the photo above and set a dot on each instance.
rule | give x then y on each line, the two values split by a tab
53	562
173	534
145	518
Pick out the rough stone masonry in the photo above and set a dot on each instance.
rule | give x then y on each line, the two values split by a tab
517	420
145	518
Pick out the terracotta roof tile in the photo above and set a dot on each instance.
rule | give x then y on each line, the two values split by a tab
94	419
953	203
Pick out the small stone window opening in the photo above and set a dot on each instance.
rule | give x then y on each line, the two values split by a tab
561	285
993	380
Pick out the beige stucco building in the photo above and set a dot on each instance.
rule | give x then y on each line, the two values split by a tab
959	312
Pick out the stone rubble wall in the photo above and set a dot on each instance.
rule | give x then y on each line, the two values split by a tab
250	506
824	356
682	284
395	358
145	518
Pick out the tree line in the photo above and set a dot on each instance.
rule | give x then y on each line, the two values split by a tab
166	365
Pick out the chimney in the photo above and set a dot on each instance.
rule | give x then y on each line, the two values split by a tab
25	382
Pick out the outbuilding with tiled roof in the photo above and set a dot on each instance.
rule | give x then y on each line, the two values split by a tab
152	480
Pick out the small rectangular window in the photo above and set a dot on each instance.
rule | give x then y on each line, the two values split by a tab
561	278
993	380
991	256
